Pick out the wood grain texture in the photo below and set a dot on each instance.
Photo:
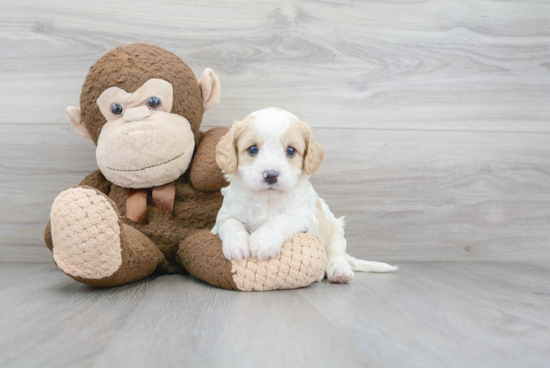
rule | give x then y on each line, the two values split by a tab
382	64
197	325
454	314
433	114
49	320
406	195
444	314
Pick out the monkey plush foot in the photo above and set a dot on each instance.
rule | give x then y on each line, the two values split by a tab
301	262
86	234
91	245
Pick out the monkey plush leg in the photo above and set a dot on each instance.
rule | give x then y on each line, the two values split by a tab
301	262
202	256
91	244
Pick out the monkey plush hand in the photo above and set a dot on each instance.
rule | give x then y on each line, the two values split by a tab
151	205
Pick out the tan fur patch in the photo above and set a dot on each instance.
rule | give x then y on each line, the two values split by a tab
247	139
311	152
227	152
295	137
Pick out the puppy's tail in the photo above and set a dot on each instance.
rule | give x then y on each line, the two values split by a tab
369	266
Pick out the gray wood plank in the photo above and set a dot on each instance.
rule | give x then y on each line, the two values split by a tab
440	314
184	322
406	195
31	247
425	315
503	285
391	65
12	273
50	320
531	269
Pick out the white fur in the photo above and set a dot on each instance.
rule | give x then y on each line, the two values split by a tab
256	218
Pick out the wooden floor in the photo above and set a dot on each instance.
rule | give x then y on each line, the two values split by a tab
426	315
434	117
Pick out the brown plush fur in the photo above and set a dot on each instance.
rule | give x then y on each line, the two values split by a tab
205	157
140	257
128	67
154	246
201	254
193	210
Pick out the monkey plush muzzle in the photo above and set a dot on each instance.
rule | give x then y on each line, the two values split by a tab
144	153
143	144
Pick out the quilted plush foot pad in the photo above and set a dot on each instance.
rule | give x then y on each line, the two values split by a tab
302	261
85	234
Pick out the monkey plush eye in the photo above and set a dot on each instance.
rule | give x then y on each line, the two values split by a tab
252	150
153	102
290	151
116	109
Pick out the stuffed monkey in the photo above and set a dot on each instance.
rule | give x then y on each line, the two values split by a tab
151	205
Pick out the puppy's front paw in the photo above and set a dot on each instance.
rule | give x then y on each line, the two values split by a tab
236	247
264	244
340	273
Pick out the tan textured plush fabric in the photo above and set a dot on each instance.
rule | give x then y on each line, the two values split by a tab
302	261
86	249
140	258
86	233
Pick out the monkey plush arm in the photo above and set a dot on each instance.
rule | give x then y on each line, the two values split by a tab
205	173
95	180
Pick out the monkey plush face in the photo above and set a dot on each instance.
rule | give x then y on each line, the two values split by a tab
142	106
142	144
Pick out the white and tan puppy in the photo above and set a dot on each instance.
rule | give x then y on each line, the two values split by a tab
268	158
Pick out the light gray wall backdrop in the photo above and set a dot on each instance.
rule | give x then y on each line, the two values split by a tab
434	115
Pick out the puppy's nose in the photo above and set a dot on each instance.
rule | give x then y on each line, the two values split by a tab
137	113
270	177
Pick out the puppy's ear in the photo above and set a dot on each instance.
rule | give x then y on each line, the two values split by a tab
314	152
226	150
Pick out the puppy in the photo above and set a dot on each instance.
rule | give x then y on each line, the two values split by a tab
268	158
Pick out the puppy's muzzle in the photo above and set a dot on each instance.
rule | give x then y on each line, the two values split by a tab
270	177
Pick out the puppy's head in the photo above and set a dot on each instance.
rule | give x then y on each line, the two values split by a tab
270	149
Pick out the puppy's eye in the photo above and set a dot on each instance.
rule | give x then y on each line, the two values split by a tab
153	102
252	150
290	151
117	109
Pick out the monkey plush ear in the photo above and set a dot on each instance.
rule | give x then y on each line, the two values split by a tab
76	121
210	88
